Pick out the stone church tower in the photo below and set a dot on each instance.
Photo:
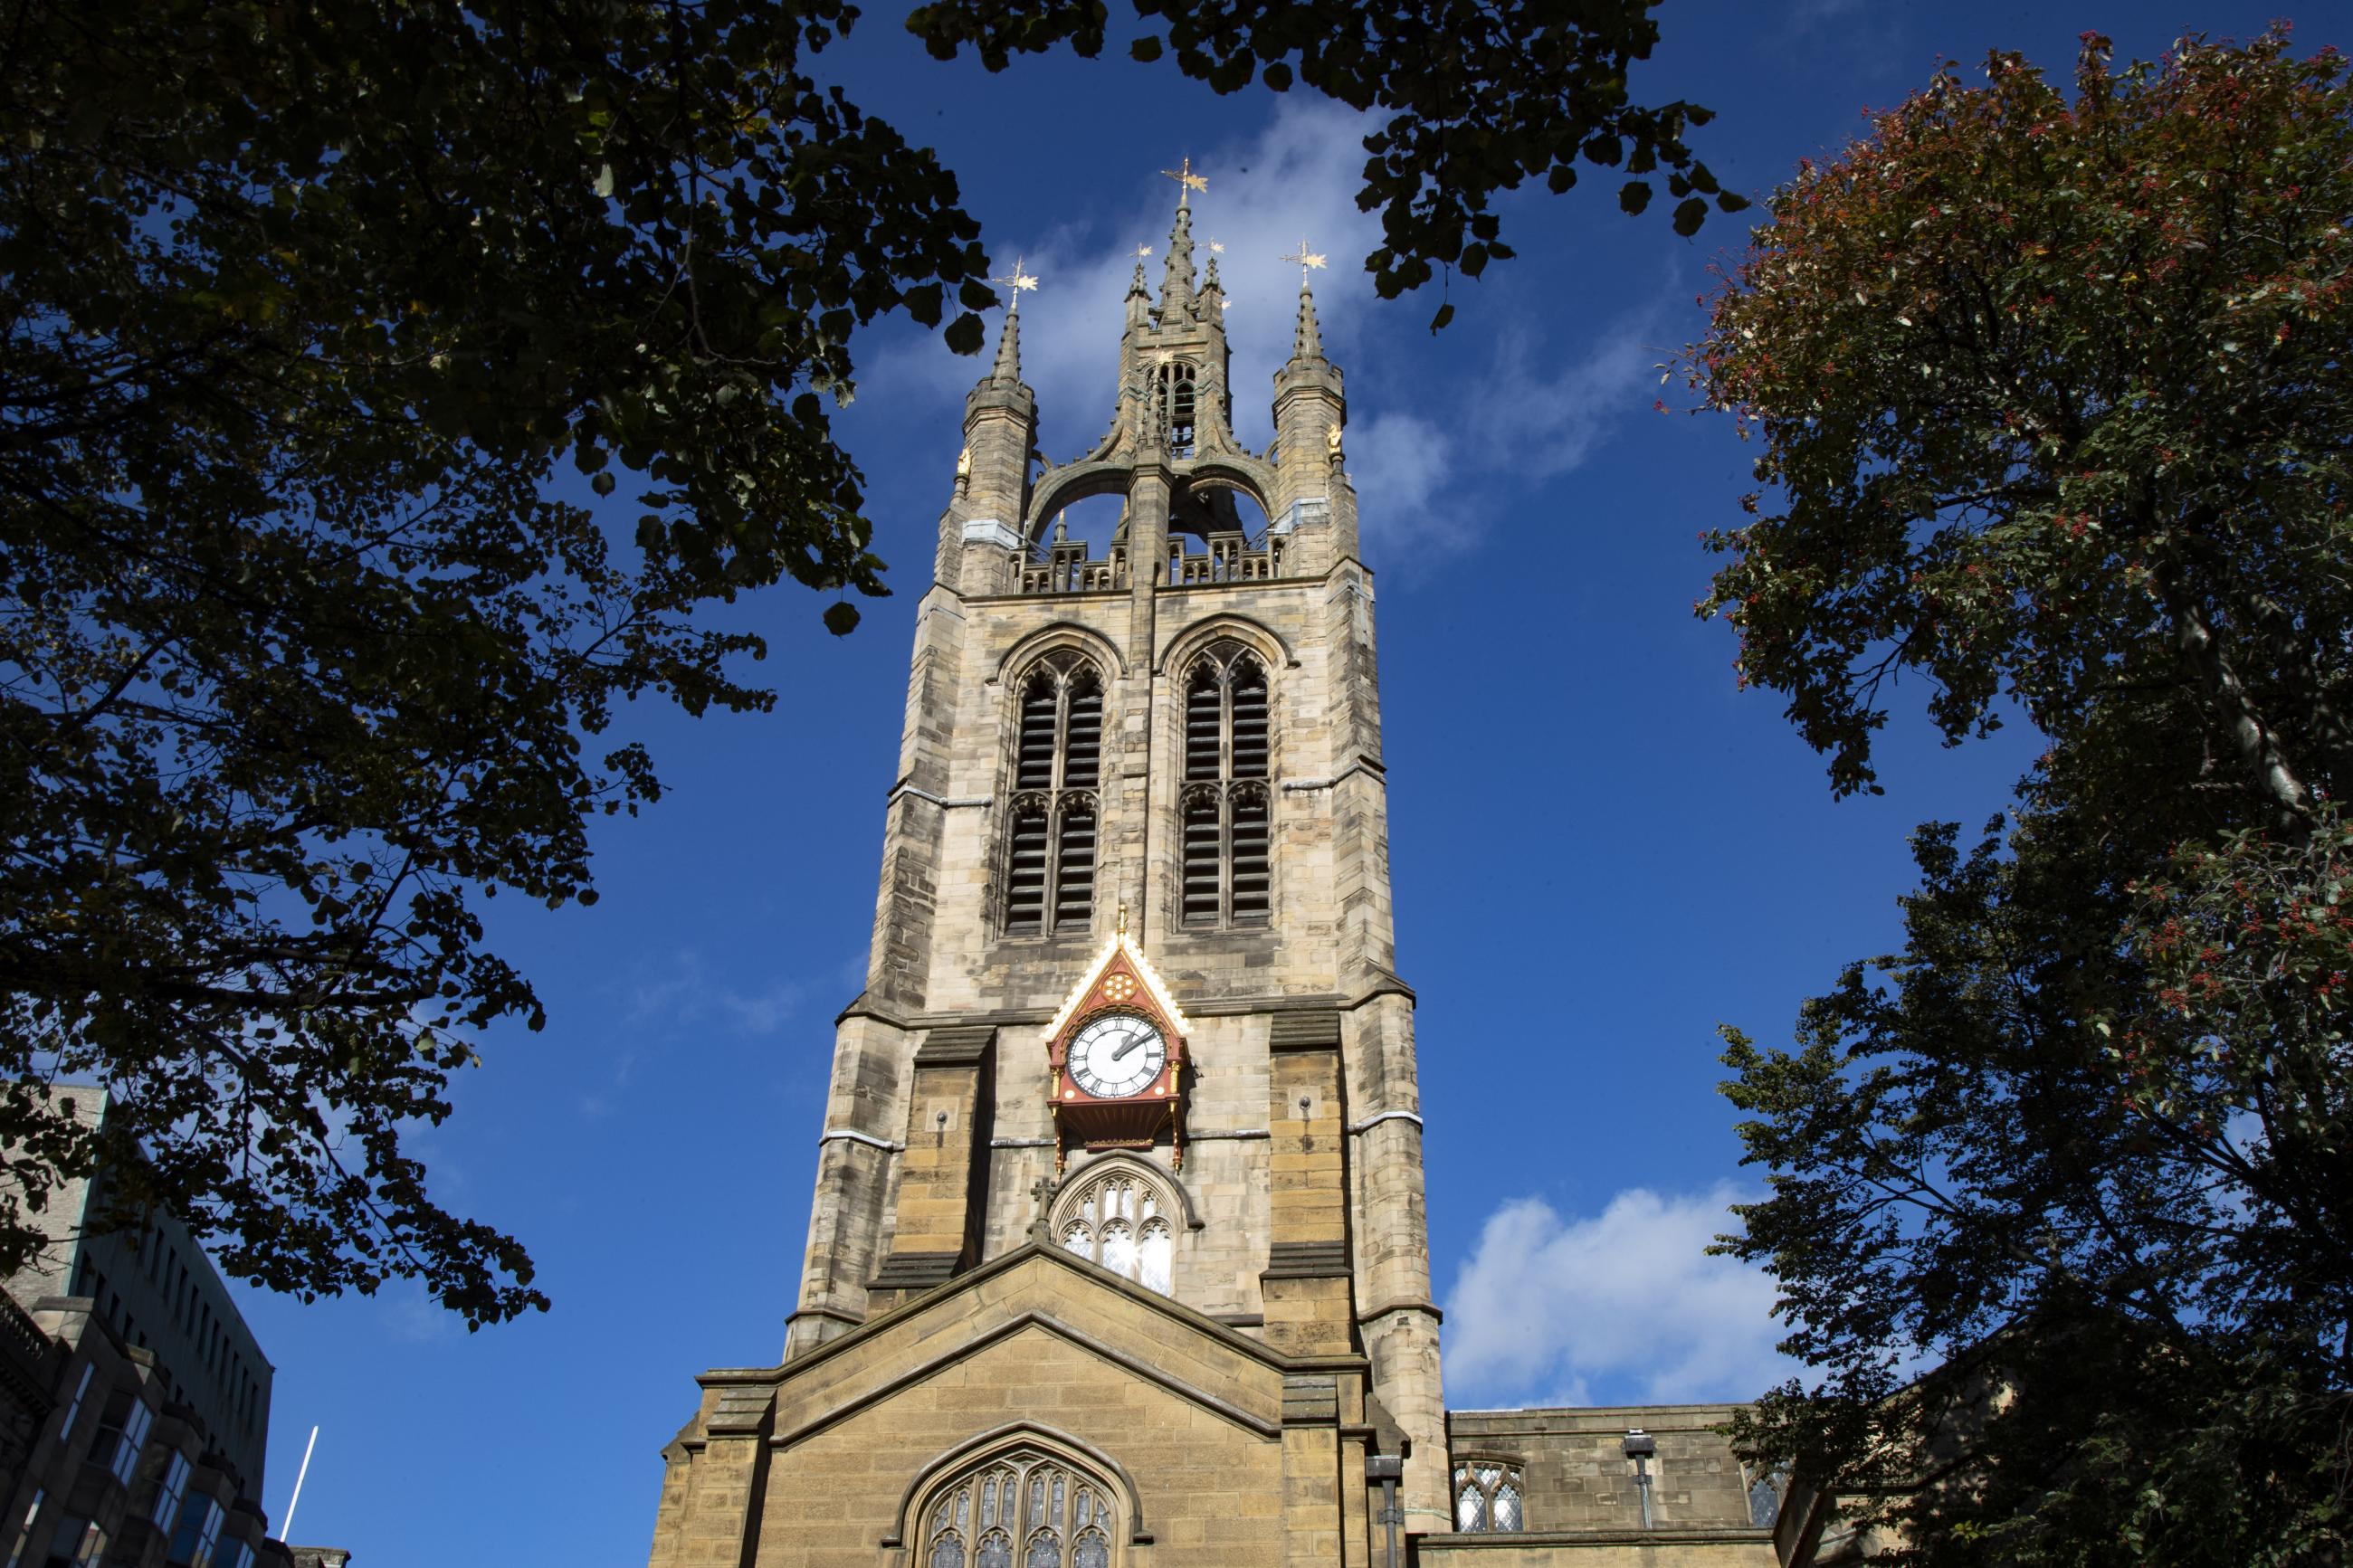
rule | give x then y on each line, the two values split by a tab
1117	1251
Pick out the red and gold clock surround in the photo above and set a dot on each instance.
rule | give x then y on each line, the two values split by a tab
1120	983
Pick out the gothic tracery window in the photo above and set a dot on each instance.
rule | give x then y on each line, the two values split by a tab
1226	838
1026	1508
1121	1220
1488	1496
1050	865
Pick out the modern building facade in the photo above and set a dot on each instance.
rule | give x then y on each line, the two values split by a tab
1117	1252
134	1403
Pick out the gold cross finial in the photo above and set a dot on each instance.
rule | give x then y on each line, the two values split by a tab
1019	282
1141	251
1186	181
1216	249
1306	260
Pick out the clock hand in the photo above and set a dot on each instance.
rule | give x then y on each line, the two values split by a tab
1132	1041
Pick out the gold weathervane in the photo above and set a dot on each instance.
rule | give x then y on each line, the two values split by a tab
1186	181
1019	282
1306	260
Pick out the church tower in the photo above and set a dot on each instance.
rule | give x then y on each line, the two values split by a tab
1117	1255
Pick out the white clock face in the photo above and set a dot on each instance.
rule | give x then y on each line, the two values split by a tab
1116	1055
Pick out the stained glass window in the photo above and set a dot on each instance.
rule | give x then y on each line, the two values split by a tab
1056	1514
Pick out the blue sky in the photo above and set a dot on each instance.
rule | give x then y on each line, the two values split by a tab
1601	848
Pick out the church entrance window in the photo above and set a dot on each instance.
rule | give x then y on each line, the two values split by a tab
1049	861
1226	835
1121	1221
1060	1514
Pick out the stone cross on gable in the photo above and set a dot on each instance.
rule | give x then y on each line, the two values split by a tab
1041	1193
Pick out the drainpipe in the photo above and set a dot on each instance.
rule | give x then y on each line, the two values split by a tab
1639	1446
1387	1469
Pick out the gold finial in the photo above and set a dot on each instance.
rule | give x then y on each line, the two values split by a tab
1141	251
1019	282
1186	181
1306	260
1122	920
1217	248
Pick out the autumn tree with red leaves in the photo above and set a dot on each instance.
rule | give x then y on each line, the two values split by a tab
2054	419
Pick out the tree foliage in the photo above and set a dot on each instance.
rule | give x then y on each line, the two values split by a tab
1479	96
2055	419
299	657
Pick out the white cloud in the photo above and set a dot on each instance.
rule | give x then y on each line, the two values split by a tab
1544	426
683	997
686	995
1625	1303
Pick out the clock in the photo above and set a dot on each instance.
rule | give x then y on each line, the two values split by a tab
1117	1055
1117	1060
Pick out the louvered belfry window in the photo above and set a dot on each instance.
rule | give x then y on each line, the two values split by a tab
1226	830
1049	864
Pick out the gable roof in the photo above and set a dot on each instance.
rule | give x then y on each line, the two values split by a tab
1121	945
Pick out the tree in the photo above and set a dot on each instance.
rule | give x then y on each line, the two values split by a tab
301	658
1479	97
2055	416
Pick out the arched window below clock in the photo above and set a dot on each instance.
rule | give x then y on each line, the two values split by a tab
1023	1508
1125	1220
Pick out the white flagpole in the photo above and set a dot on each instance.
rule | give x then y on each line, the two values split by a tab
286	1527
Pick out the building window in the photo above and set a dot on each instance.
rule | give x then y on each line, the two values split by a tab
167	1494
198	1534
1489	1495
1225	835
73	1405
1121	1220
121	1438
24	1531
80	1542
1049	862
1023	1509
1765	1488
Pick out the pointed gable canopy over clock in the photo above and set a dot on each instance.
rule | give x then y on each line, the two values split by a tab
1118	956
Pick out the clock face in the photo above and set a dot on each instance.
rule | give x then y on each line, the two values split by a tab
1116	1055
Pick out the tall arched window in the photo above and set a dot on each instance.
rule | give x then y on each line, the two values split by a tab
1026	1508
1122	1220
1176	393
1226	839
1049	864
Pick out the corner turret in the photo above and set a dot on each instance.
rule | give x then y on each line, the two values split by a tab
1310	410
992	477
